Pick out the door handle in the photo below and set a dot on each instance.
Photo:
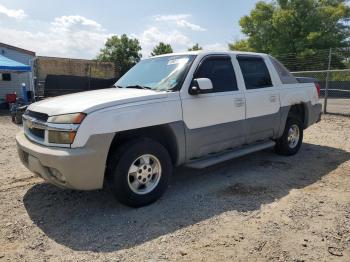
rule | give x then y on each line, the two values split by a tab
239	102
273	98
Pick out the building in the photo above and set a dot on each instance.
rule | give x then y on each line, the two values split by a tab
11	82
51	76
71	71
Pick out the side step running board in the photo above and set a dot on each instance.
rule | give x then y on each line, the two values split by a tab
221	157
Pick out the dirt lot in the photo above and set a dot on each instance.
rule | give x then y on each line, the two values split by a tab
259	207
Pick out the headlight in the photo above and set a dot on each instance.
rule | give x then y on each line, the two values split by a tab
75	118
61	137
61	133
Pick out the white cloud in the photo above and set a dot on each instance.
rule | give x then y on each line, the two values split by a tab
171	17
186	24
180	20
153	35
215	47
12	13
68	36
79	37
76	22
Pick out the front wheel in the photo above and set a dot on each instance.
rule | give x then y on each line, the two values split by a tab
290	142
140	172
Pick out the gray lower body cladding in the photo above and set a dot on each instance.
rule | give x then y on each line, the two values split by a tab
312	114
200	142
213	139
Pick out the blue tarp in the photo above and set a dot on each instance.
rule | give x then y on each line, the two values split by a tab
8	65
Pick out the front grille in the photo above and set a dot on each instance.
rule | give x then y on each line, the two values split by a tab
34	125
40	133
39	116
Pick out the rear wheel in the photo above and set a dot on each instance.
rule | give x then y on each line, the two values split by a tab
290	142
139	172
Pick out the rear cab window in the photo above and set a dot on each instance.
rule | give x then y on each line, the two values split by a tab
285	76
255	72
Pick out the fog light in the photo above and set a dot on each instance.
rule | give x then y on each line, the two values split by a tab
57	174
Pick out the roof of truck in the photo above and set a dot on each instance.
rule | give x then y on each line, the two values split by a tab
206	52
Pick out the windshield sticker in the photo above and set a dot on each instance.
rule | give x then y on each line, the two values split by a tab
177	61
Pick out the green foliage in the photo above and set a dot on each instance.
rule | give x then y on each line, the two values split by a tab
241	45
196	47
322	75
161	49
124	52
300	27
339	76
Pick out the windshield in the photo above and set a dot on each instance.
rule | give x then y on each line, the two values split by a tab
160	73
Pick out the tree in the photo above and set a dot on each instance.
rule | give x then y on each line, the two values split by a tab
196	47
300	27
161	49
123	51
241	45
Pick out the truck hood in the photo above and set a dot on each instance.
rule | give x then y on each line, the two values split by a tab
89	101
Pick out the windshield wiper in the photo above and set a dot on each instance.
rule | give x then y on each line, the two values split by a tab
139	87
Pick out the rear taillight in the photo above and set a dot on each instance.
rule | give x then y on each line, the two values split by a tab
318	88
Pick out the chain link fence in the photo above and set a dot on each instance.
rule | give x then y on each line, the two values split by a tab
332	70
335	89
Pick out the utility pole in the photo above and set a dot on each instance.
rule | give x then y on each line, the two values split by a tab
327	81
89	77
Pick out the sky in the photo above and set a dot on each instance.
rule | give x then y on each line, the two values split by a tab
79	28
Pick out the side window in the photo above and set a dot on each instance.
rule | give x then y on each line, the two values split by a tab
6	77
255	72
221	73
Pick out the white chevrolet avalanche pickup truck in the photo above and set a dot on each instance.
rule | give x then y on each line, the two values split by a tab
195	109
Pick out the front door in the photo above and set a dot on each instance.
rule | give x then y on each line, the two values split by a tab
215	120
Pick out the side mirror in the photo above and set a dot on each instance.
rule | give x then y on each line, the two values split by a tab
201	85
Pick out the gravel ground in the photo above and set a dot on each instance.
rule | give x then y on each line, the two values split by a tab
258	207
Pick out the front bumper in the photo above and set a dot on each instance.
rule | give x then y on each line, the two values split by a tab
81	168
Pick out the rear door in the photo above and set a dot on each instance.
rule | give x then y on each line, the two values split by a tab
215	120
262	98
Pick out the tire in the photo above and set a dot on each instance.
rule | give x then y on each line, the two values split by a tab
284	145
135	182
